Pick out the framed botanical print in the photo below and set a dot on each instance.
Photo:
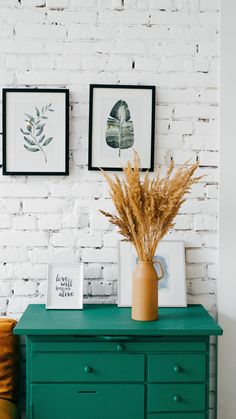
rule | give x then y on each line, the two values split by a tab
35	131
171	288
65	286
121	120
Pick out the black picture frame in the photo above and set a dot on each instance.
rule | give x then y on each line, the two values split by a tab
1	152
5	170
91	166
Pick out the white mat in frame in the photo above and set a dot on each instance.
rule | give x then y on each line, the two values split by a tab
172	288
65	286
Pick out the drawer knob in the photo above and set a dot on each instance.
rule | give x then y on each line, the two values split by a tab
177	399
177	368
87	369
120	347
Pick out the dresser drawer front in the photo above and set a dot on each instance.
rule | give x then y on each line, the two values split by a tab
177	368
134	345
61	367
176	397
176	416
100	401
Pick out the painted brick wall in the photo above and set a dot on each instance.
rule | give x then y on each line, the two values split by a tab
172	44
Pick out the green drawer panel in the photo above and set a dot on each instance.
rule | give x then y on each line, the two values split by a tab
177	367
101	401
72	367
83	346
176	397
176	416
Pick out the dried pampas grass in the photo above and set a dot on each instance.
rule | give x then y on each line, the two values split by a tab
146	209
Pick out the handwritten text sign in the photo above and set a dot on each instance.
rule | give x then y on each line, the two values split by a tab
64	286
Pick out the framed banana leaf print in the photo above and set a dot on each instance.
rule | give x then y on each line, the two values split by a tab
35	132
121	121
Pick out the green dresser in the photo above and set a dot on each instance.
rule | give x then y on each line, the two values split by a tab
99	364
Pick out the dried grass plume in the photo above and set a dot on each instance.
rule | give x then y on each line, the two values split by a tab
145	210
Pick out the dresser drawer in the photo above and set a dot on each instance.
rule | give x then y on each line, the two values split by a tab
176	397
177	367
115	344
176	416
61	367
96	401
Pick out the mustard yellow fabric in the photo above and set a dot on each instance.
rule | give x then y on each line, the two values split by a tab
8	410
9	357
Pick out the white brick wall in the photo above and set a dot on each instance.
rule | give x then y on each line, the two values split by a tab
172	44
64	43
70	44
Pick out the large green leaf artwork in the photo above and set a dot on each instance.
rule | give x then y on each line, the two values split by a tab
120	129
33	132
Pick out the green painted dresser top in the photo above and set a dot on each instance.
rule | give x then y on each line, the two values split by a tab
112	320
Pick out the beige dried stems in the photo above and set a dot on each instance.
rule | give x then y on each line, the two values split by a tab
146	209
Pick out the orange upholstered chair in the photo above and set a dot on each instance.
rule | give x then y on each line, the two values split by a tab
9	364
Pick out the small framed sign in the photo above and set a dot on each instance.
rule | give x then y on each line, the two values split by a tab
121	121
65	286
35	132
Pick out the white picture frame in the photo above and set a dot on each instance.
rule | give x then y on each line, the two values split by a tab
65	286
172	256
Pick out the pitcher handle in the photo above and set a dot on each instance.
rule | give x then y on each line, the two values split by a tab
161	268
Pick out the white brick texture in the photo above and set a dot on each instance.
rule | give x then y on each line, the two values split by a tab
172	44
71	43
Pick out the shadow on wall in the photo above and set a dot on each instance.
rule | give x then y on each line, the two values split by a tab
226	369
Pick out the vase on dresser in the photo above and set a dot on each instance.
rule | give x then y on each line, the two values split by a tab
145	291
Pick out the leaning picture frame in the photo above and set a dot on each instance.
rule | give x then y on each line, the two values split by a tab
121	121
65	286
171	289
35	131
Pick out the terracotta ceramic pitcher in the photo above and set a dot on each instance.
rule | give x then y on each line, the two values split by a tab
145	291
